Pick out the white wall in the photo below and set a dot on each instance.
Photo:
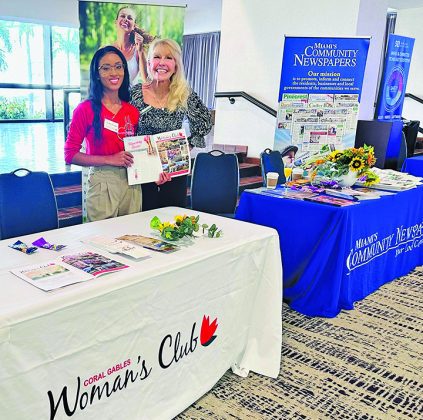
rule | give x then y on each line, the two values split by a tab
58	12
203	16
372	22
200	16
252	36
410	23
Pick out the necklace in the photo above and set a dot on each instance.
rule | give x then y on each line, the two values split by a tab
113	108
160	103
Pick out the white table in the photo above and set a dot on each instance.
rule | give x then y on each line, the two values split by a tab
57	342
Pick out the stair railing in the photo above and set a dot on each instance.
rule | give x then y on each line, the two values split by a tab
417	99
232	95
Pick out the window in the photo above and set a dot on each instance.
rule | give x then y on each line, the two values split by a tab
36	63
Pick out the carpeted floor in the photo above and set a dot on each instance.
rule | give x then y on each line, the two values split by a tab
363	364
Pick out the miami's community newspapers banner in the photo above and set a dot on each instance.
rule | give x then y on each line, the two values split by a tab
319	92
394	79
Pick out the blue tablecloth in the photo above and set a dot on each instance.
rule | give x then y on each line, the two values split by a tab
413	165
334	256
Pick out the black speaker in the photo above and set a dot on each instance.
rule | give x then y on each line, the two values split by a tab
387	139
411	130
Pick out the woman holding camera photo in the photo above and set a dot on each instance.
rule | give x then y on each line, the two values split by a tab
131	41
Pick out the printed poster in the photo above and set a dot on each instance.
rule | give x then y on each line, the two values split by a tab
394	79
319	92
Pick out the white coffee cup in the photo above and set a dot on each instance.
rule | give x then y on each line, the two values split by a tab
272	179
297	173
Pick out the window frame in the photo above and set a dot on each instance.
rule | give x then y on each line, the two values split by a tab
48	88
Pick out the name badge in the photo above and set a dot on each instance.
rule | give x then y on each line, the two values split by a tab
111	125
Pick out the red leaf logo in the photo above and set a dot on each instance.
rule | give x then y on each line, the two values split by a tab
207	331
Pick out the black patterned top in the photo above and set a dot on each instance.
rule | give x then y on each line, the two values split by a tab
158	120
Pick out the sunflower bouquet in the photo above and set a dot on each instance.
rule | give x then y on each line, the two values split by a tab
183	226
334	165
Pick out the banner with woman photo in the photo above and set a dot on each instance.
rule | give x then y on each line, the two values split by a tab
319	93
129	27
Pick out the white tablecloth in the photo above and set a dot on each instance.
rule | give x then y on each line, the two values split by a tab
127	345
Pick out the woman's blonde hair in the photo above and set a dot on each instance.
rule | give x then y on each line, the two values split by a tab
179	88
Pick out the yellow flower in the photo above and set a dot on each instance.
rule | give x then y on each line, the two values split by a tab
356	164
165	225
179	218
335	155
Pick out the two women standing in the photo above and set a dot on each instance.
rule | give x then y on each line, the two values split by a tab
164	102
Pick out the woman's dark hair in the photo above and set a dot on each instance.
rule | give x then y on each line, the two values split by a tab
96	89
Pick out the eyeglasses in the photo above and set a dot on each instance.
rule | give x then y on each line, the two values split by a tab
107	68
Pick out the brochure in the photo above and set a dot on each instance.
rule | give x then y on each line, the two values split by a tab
115	246
149	243
164	152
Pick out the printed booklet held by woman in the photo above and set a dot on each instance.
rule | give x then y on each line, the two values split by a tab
163	152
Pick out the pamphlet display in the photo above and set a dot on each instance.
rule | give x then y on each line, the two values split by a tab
164	152
319	93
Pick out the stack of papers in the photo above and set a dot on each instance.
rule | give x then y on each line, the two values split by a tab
391	180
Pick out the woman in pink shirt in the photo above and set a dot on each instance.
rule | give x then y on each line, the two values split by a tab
102	121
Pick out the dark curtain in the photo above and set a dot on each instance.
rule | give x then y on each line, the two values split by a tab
200	57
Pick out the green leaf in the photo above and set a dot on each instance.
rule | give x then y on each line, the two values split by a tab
155	223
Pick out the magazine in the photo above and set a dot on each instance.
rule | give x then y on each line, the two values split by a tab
93	263
372	191
51	275
334	201
164	152
149	243
284	193
289	193
66	270
115	246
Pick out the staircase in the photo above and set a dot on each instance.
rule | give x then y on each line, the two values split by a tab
68	190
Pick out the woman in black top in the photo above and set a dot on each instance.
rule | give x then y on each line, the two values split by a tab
164	103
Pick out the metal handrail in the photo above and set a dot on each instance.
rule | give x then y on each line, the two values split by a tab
232	95
414	97
417	99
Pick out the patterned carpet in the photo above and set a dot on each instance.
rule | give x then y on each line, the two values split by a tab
363	364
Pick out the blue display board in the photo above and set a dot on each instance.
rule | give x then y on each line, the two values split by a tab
323	65
319	92
394	80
